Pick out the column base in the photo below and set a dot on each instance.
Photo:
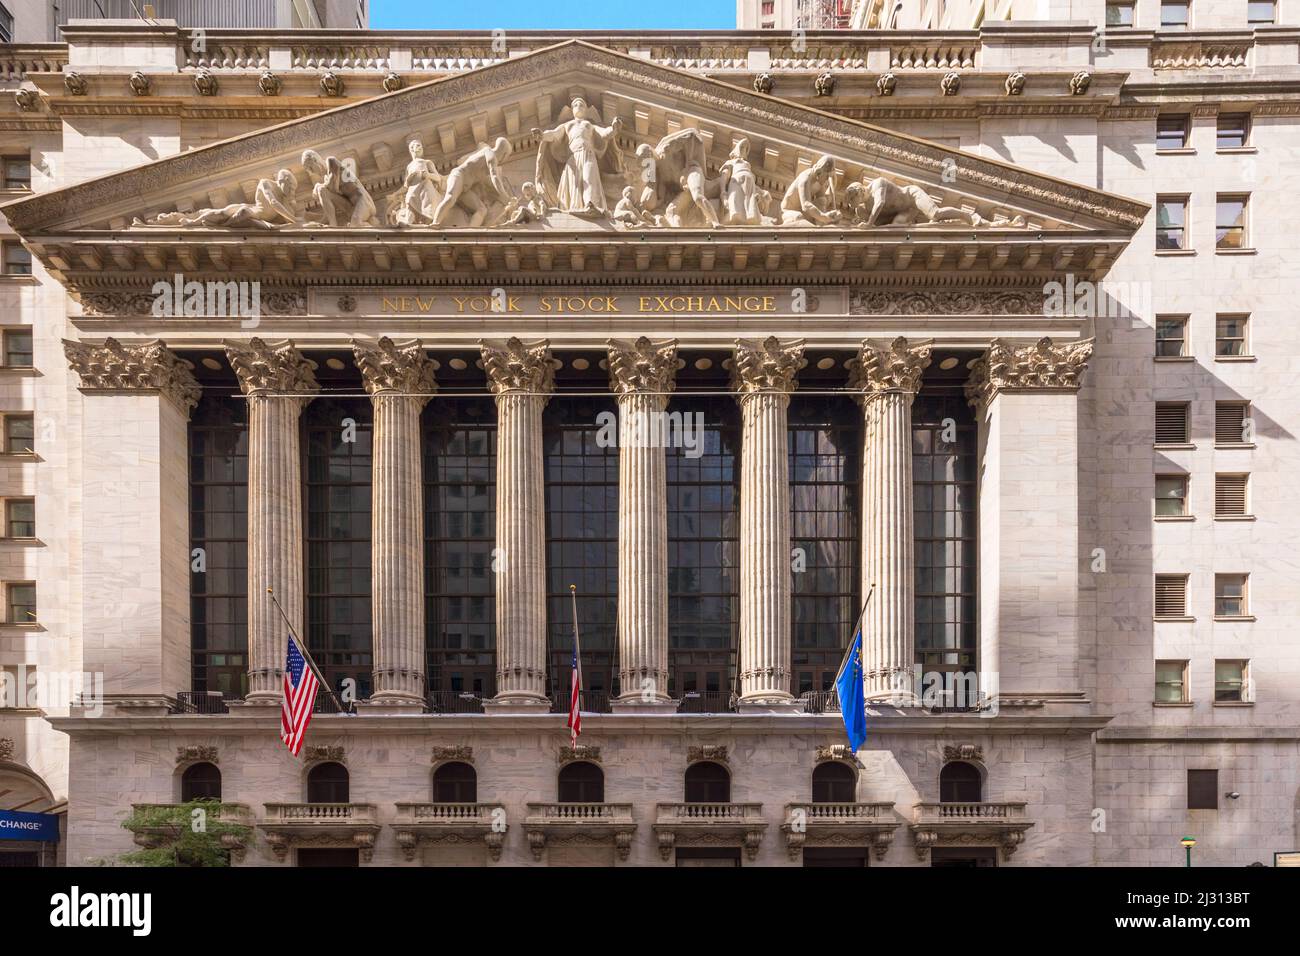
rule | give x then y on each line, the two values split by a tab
769	703
516	705
391	705
259	698
634	706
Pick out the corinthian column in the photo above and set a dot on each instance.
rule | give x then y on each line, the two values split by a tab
399	379
764	376
279	383
641	374
522	378
888	379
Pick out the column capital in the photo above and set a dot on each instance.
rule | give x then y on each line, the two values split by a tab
265	368
642	366
389	367
516	367
895	367
146	366
766	366
1043	366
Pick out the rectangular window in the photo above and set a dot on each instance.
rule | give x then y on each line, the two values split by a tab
21	603
1171	423
1171	222
1231	423
1232	130
1231	682
1171	595
17	349
1230	334
1175	14
1171	496
1119	13
1202	790
1171	682
17	260
19	435
1171	131
18	172
6	25
1230	222
1230	496
1259	12
769	8
1230	595
20	518
1171	335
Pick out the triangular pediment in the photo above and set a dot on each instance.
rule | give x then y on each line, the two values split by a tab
453	116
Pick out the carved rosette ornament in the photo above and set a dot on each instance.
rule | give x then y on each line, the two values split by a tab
950	85
75	83
1042	366
205	84
147	366
886	84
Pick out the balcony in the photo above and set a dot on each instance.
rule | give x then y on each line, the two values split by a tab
593	702
969	824
709	824
454	702
580	824
839	825
428	824
331	825
162	823
706	702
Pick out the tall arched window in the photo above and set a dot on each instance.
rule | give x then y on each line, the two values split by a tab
200	781
708	782
834	783
455	783
960	782
581	782
328	783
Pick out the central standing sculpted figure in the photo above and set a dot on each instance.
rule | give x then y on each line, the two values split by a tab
570	157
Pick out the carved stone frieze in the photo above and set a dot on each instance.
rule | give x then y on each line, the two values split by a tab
6	749
149	365
767	366
389	367
1044	365
835	752
579	752
332	754
642	366
896	367
963	752
516	367
458	752
197	754
715	752
972	302
276	369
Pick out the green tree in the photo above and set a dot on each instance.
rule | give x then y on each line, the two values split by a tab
198	833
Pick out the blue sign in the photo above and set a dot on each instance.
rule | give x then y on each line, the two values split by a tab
15	825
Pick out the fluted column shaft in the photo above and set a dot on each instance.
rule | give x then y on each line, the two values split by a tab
521	549
275	544
522	378
765	586
278	382
889	378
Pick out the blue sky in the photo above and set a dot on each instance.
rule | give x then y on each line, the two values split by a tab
553	14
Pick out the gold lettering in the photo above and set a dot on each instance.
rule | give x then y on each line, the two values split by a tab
388	305
769	303
513	304
424	304
460	302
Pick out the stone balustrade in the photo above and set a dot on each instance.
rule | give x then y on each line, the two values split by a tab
337	825
839	824
709	824
963	824
421	824
580	824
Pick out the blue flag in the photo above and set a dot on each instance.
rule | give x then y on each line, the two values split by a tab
853	703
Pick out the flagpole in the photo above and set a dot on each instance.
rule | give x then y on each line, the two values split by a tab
577	652
306	654
856	624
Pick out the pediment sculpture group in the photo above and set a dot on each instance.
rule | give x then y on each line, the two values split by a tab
579	167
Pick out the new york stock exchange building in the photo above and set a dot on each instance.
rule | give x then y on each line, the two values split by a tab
733	334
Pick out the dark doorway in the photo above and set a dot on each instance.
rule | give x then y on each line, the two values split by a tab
964	856
708	782
581	782
202	781
328	857
960	782
835	856
20	858
834	783
455	783
328	783
708	856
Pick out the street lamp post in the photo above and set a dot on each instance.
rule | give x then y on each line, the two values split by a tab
1188	843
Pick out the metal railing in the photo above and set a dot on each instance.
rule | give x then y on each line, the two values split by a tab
593	702
707	702
454	702
820	701
200	702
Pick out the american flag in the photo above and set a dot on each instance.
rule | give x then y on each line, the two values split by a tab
575	693
300	686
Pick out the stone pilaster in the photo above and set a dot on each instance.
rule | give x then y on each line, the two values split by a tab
763	374
135	559
399	379
522	378
1026	400
888	378
279	382
641	374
